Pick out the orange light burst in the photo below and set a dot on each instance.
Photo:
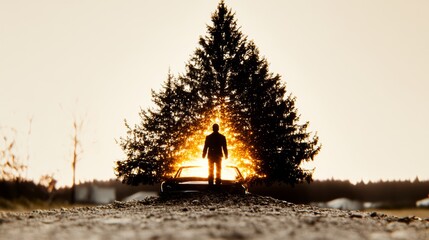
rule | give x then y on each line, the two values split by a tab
202	171
191	153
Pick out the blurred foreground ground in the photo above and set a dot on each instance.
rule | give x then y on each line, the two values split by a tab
405	212
208	216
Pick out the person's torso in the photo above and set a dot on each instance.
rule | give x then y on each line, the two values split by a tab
215	141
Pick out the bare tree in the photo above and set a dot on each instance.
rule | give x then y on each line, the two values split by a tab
27	161
49	182
10	165
77	151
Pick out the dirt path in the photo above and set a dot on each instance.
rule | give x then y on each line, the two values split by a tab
212	216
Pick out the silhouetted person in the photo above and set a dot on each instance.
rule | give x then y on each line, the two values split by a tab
215	143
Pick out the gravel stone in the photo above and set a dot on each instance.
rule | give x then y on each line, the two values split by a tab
208	216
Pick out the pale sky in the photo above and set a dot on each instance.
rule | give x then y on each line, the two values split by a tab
359	70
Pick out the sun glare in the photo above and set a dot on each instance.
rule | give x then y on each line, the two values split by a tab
239	156
228	173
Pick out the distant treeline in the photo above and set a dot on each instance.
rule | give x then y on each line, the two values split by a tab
22	189
400	193
24	194
21	194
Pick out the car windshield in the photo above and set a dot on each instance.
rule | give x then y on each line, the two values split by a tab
228	173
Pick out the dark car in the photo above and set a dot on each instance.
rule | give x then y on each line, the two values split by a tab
195	179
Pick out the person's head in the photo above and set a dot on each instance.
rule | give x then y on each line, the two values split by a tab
215	127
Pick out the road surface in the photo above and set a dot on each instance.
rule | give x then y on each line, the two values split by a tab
207	216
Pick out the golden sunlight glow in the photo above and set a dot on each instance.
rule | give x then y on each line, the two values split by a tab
239	156
228	173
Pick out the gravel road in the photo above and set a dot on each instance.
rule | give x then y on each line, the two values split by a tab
208	216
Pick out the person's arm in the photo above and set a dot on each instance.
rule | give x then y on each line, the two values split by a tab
225	148
205	148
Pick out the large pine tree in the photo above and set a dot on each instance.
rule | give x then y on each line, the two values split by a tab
225	80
